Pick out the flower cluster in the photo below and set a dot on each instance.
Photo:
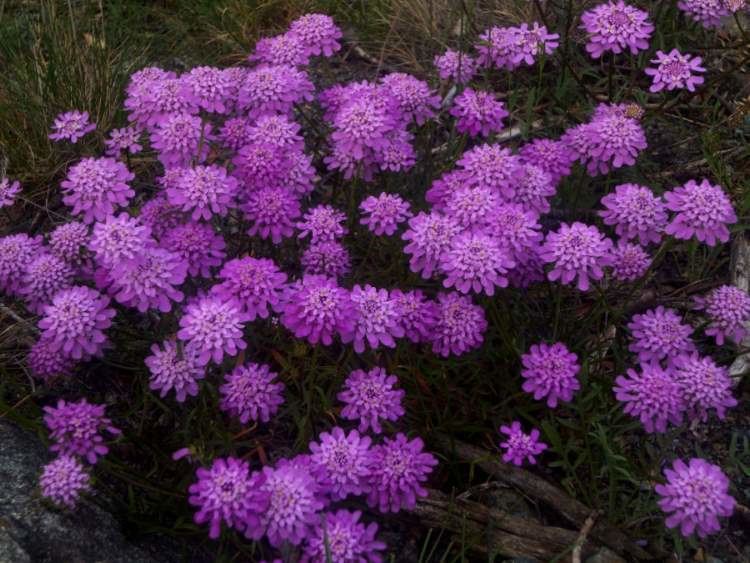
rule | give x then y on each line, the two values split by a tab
521	447
616	27
510	47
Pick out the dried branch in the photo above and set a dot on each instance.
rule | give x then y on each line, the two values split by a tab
581	540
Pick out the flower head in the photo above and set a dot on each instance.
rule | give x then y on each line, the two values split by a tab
701	210
654	396
174	368
708	13
274	89
460	325
181	138
371	397
199	246
256	284
456	66
95	187
398	468
415	98
251	392
629	262
613	140
635	212
533	189
616	27
476	261
227	492
550	371
322	223
45	275
71	126
510	47
343	460
383	213
429	236
516	228
478	113
317	309
417	314
214	327
577	251
46	362
75	321
76	429
8	192
695	495
16	251
318	33
728	311
295	499
235	132
675	70
67	242
492	166
164	97
340	536
160	216
285	49
119	238
705	386
327	258
554	157
376	318
126	139
521	447
203	190
272	211
140	91
63	481
658	334
276	130
207	87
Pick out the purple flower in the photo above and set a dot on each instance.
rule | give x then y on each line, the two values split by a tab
371	397
705	386
614	141
492	166
318	33
728	311
443	188
295	499
8	192
383	213
322	223
272	212
149	281
285	49
456	66
174	368
554	157
46	362
343	460
398	468
75	321
317	309
327	258
653	396
76	429
250	392
160	216
45	275
429	236
417	314
298	173
63	481
415	98
708	13
520	447
208	88
675	70
629	262
517	229
276	130
214	327
695	496
67	241
533	189
16	251
256	284
701	210
199	246
204	190
119	238
164	98
235	132
509	47
71	126
260	166
529	268
658	334
362	125
227	492
460	325
476	261
180	139
635	212
550	371
340	536
376	318
269	90
123	140
95	187
478	113
616	27
471	205
577	251
138	102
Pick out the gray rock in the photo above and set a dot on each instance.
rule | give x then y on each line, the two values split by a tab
604	555
31	530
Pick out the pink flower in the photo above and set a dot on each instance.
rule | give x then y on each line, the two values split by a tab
71	126
96	187
701	210
616	27
520	447
577	251
478	113
675	70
